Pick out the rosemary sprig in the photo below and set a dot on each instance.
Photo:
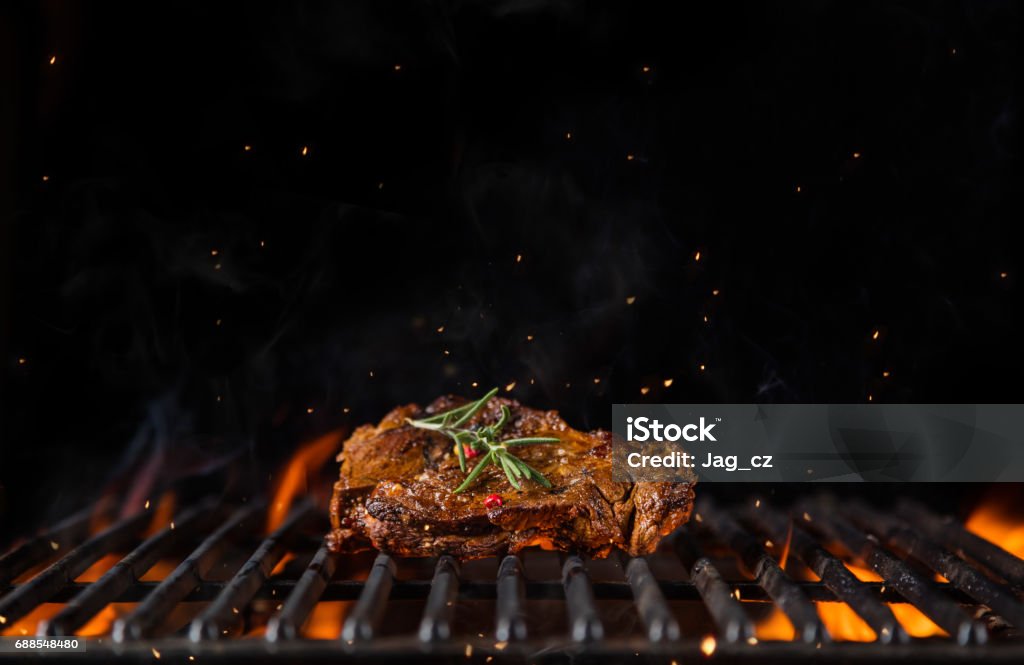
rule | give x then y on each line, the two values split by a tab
485	440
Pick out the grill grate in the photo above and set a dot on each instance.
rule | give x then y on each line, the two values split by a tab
226	571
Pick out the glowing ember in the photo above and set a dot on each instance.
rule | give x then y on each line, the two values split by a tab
53	59
630	300
162	515
309	459
667	383
696	257
708	645
510	386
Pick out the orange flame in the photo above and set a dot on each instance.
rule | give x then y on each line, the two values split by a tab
776	626
843	623
863	573
160	570
326	619
27	624
994	521
102	623
915	623
96	570
307	460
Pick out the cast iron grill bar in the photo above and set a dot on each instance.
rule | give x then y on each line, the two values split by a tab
125	572
650	602
43	546
223	616
146	620
953	534
897	574
436	624
833	573
510	612
286	624
786	593
960	574
733	623
361	624
46	584
584	623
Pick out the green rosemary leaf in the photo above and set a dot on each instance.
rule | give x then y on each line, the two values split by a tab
537	475
475	408
484	461
530	440
484	439
513	462
510	471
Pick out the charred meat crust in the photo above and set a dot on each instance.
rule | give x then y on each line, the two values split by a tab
395	494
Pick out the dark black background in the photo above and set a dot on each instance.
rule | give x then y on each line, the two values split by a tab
842	168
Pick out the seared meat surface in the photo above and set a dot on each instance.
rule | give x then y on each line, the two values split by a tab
396	487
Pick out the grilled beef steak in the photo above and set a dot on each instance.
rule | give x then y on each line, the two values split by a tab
396	492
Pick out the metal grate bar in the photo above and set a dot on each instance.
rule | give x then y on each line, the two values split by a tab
46	584
953	568
42	547
950	532
222	617
650	602
584	623
833	573
733	623
285	625
125	572
147	618
786	593
436	624
897	574
510	612
362	623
